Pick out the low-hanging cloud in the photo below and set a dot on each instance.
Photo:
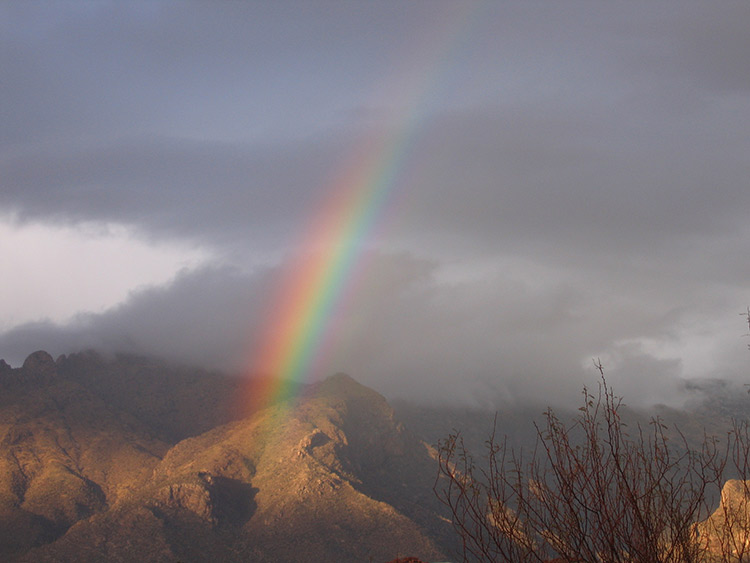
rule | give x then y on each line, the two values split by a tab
490	340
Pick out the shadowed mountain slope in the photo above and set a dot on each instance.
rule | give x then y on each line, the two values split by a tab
65	455
173	401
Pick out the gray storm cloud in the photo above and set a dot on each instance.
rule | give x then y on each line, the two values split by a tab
576	186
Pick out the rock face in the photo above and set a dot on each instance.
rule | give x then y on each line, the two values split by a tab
330	476
727	530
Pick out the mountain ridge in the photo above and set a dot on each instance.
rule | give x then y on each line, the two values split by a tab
96	465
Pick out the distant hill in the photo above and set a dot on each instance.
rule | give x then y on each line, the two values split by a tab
126	459
713	407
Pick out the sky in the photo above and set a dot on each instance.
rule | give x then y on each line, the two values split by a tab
558	182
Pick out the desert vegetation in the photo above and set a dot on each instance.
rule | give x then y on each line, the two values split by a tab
596	489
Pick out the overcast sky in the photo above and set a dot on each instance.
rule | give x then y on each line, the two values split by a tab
572	183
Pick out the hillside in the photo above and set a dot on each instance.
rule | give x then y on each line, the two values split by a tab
124	459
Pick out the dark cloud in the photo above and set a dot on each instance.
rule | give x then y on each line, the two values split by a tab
211	191
233	68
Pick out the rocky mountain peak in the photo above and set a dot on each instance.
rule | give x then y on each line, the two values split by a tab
40	363
344	387
341	382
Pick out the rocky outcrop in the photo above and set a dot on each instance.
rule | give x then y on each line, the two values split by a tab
39	367
194	497
727	530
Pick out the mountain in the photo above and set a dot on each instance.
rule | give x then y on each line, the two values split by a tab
125	458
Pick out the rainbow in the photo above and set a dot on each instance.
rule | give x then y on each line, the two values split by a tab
331	248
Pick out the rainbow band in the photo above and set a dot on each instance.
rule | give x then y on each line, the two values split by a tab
331	247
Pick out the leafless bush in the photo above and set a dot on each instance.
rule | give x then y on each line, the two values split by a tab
594	490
